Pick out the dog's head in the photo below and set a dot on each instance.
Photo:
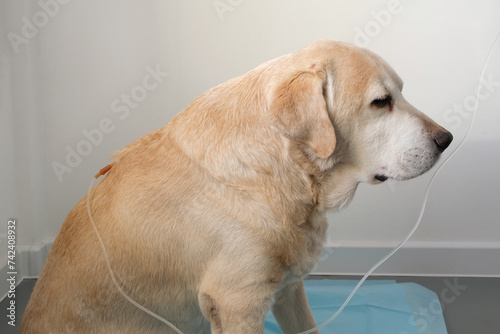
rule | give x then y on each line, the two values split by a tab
344	105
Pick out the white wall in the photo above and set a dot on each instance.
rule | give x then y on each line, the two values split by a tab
75	61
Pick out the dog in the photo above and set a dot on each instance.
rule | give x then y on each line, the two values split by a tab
216	217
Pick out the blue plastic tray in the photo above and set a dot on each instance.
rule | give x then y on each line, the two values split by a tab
379	307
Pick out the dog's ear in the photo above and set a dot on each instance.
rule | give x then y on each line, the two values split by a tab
300	111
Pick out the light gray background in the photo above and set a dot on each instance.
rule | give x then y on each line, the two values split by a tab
72	71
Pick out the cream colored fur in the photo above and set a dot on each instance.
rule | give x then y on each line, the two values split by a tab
216	217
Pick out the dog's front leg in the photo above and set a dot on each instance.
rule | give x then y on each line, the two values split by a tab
291	309
235	311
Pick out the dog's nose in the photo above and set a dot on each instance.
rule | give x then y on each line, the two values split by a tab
443	140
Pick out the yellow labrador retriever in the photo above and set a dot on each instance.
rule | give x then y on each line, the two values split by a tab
210	218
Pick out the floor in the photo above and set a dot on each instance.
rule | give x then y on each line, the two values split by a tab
471	305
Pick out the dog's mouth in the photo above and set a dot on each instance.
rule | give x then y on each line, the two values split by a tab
380	177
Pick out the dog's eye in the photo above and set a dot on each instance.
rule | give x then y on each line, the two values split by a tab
382	102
